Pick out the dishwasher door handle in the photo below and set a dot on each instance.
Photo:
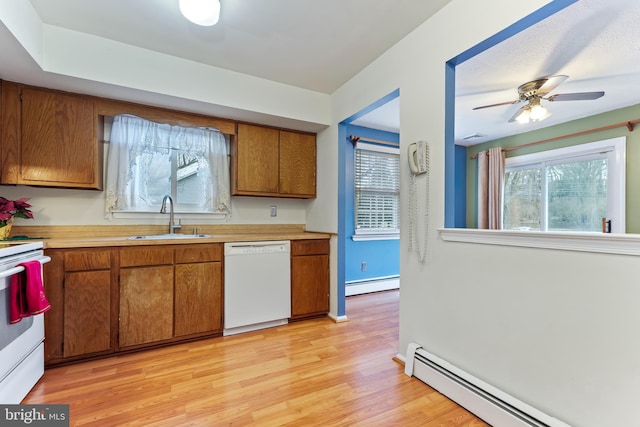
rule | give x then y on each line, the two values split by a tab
250	248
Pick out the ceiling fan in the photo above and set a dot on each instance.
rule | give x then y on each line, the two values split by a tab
534	91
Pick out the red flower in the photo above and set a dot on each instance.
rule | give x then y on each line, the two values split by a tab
14	208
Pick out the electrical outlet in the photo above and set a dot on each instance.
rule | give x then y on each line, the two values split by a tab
363	266
274	210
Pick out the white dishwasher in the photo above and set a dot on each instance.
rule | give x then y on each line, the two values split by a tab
257	285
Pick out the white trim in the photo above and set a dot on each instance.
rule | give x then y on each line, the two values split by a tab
372	279
612	144
338	319
147	215
375	236
484	400
358	287
623	244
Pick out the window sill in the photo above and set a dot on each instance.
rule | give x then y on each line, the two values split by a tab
624	244
370	237
139	215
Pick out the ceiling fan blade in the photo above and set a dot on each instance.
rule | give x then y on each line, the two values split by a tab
497	105
579	96
517	113
551	83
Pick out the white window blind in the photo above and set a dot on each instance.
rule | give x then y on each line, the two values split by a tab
377	191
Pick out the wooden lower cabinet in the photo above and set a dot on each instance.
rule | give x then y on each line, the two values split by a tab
106	301
146	305
309	278
198	290
80	285
198	300
87	312
169	293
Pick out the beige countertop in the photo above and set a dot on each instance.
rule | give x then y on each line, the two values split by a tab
59	237
219	238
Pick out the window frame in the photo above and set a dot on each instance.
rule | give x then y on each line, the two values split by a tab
372	233
615	148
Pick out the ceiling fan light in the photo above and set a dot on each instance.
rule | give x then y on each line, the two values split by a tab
524	116
201	12
538	113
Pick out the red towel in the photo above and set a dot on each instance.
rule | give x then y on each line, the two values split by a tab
27	292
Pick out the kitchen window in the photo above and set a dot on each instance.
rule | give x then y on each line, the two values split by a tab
377	192
149	160
568	190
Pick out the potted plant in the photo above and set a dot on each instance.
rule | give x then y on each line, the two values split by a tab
10	209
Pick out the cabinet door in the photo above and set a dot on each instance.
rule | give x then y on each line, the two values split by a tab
198	298
309	285
53	276
256	160
297	164
87	312
59	145
146	305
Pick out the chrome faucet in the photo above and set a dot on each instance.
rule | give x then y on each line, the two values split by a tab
163	209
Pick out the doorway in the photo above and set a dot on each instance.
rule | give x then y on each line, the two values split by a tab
368	261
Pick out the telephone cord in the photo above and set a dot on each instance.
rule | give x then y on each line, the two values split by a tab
413	223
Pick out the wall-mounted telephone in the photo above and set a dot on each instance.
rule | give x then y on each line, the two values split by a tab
419	157
419	167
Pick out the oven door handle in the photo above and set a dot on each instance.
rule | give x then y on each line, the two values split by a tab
20	269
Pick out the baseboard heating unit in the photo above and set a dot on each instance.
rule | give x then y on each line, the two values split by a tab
485	401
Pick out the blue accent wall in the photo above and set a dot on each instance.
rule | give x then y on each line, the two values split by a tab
461	187
382	256
345	199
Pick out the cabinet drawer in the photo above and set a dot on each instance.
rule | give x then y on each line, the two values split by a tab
309	247
146	255
87	260
199	253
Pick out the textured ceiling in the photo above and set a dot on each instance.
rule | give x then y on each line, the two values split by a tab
320	45
594	42
317	45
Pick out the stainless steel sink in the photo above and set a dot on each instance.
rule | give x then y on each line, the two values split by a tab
170	236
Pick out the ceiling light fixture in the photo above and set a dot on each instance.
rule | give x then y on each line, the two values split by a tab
201	12
534	112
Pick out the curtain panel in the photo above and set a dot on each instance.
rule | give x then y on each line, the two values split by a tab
135	142
490	182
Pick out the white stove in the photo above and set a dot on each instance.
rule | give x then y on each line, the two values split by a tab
22	343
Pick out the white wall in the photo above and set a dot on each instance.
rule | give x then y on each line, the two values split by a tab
556	329
68	60
54	206
50	56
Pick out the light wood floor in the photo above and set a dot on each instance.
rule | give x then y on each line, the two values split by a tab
310	373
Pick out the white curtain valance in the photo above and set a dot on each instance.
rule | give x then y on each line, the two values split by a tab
129	169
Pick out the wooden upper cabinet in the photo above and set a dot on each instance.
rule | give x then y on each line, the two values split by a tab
256	160
50	138
272	162
297	164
